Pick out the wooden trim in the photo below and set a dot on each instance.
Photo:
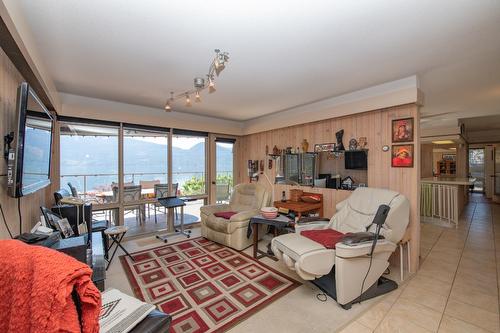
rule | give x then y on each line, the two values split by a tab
15	55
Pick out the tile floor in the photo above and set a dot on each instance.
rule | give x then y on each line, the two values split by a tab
456	288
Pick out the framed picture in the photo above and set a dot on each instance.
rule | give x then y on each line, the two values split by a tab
318	148
402	156
402	130
65	227
449	157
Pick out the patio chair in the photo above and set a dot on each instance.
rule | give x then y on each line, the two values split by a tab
161	191
146	185
130	194
74	192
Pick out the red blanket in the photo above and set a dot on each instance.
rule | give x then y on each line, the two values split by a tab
35	291
326	237
225	215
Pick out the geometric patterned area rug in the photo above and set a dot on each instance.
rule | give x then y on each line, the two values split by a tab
204	286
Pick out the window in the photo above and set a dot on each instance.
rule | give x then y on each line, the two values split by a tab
223	169
189	164
145	167
89	160
145	154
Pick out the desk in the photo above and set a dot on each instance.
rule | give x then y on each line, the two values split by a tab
301	207
171	203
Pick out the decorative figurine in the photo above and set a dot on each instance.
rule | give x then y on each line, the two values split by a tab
362	142
276	151
339	135
353	144
305	146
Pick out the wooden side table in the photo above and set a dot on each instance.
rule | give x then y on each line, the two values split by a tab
280	222
301	207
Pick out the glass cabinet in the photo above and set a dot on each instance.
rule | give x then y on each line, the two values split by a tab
300	168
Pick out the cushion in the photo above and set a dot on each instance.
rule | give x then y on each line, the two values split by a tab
295	246
326	237
218	224
225	215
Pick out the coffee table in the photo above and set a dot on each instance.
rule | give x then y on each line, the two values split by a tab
279	223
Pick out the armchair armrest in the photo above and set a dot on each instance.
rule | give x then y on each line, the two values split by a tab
313	219
244	215
211	209
363	249
313	225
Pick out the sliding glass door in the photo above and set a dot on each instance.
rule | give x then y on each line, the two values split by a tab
145	177
123	168
189	170
89	160
224	169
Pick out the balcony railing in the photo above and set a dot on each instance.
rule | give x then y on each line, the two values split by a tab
89	184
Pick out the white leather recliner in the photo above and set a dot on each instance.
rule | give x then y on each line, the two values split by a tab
246	200
340	272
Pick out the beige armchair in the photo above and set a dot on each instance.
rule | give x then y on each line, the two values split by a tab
246	200
341	272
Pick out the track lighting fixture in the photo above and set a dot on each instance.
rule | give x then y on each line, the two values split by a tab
216	67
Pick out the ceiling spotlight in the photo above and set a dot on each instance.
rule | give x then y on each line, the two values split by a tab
197	97
188	100
168	108
219	66
211	86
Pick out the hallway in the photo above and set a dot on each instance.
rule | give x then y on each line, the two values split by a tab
456	288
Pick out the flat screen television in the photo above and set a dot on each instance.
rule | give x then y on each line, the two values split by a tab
29	158
357	159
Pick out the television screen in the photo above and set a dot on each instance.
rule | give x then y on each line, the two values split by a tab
29	162
356	159
37	143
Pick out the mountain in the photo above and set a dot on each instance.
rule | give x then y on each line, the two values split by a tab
99	155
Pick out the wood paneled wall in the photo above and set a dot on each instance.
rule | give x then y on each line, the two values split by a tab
426	160
10	78
376	126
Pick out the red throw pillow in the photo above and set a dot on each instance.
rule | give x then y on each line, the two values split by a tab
225	215
326	237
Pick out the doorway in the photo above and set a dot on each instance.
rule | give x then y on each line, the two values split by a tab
476	168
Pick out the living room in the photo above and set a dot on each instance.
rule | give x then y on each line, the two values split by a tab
293	174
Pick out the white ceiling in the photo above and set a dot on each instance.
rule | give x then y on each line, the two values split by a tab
482	129
283	53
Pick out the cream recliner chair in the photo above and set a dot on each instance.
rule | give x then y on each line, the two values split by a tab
246	200
341	272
